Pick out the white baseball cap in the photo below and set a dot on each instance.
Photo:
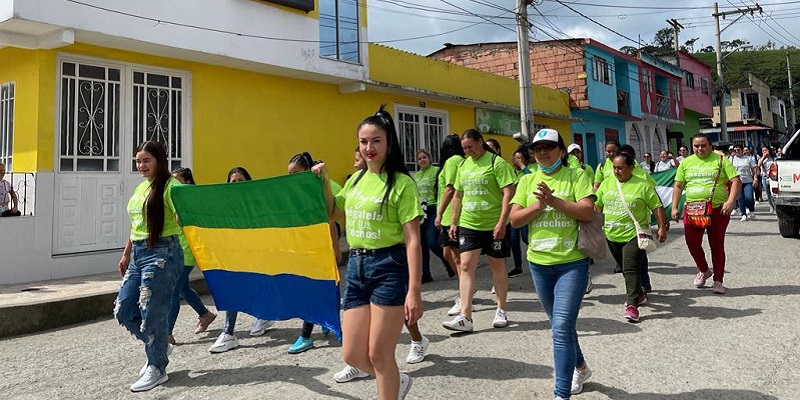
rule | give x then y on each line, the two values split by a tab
547	136
573	146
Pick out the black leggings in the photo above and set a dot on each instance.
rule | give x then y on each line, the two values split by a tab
629	256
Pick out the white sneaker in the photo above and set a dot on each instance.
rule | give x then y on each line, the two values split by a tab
405	386
500	320
260	326
151	378
170	347
493	292
418	351
460	323
224	343
579	378
348	374
455	309
744	218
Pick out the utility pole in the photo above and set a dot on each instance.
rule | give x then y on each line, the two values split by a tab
791	92
676	28
723	123
524	60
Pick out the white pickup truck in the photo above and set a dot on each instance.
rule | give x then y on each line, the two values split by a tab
784	183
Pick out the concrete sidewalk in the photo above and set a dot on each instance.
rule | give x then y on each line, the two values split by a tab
38	306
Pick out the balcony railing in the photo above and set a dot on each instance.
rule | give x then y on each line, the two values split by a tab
623	102
24	185
663	107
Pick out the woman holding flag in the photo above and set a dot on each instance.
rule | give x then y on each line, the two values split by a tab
384	273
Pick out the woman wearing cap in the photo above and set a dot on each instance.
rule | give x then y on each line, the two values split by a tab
484	186
575	159
551	201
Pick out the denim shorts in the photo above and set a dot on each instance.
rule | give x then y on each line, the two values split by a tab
380	279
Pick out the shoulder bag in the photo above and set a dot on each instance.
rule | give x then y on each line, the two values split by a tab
698	213
644	237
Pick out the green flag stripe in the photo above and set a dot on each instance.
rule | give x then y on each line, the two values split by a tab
280	202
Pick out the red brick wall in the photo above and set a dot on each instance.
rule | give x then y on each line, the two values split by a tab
553	64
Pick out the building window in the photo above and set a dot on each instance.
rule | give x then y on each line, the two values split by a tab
646	81
90	117
675	90
338	30
420	128
6	124
704	85
601	71
157	113
689	78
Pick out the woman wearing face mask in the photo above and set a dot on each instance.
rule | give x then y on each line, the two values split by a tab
551	201
521	159
484	186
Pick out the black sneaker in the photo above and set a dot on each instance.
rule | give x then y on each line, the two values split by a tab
427	279
450	272
516	272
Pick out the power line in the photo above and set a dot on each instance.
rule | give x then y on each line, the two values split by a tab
596	22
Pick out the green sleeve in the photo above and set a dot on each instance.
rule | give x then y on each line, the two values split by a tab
168	196
456	181
573	161
504	173
521	196
681	172
650	180
598	174
581	187
407	199
599	194
651	199
339	198
451	172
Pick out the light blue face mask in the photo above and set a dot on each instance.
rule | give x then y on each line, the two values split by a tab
551	168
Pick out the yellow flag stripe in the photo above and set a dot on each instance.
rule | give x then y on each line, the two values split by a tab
304	251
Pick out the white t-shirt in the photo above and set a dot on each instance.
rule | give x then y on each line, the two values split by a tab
744	165
5	195
664	165
645	166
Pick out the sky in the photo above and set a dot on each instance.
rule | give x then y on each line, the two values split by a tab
423	26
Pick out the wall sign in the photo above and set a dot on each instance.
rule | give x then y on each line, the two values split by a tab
305	5
496	122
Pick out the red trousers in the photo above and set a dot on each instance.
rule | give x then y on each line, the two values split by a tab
716	240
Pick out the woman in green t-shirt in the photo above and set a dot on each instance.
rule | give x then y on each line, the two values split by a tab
484	186
551	201
384	273
521	159
150	265
641	198
426	184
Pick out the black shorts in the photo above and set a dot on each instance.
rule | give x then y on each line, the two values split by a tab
469	239
444	238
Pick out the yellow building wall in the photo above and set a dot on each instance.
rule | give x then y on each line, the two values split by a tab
238	118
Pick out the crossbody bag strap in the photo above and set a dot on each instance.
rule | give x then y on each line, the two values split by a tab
625	204
719	172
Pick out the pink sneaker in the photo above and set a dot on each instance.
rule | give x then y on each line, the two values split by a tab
700	279
718	288
632	313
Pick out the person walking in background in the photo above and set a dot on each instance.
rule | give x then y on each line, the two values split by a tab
764	163
451	154
484	186
227	339
520	160
705	175
384	271
648	164
576	153
746	166
551	201
664	162
183	289
605	168
9	202
425	178
683	152
150	265
618	199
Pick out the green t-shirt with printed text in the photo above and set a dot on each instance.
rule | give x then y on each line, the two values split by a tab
426	179
552	235
137	215
368	224
698	174
448	177
641	198
481	185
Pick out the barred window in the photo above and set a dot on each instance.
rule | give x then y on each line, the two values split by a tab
420	128
6	124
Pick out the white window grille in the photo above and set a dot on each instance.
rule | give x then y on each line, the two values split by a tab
157	113
90	117
6	124
420	128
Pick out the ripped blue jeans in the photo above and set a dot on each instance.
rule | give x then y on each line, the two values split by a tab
145	295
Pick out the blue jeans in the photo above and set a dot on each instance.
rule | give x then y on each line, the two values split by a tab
184	290
765	186
517	234
145	295
230	322
746	200
560	288
430	241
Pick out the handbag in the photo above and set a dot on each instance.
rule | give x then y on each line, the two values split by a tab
698	213
591	240
644	237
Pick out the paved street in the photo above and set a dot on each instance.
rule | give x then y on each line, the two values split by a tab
690	344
